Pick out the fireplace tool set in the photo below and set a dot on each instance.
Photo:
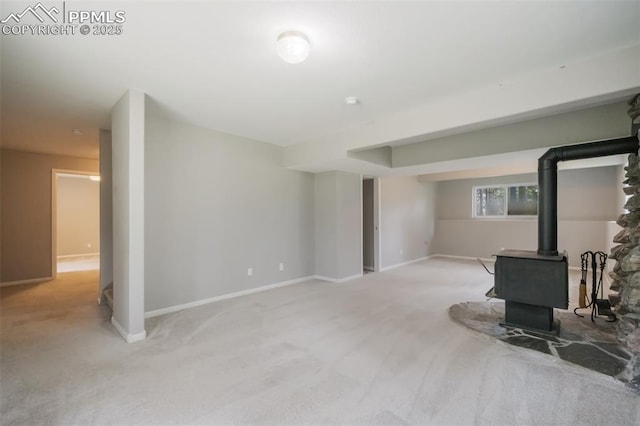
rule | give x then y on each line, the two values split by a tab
599	307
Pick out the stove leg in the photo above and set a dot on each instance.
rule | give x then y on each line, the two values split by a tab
527	316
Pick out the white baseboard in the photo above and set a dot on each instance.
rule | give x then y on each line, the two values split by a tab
130	338
337	280
397	265
70	256
175	308
31	281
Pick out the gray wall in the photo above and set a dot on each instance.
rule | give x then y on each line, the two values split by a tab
338	225
25	191
106	213
349	208
407	219
215	206
612	227
587	199
326	224
78	215
622	199
367	224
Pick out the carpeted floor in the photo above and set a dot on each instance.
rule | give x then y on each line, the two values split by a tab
377	350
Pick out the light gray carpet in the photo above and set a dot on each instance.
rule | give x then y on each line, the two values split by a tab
378	350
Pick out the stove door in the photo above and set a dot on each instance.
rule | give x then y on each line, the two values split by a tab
534	281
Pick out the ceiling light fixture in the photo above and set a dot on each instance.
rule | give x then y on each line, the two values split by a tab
77	132
293	47
351	100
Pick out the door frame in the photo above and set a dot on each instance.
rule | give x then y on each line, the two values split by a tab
377	257
54	212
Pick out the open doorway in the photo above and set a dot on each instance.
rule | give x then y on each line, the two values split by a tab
75	221
370	225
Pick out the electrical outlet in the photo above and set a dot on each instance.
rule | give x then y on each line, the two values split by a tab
250	271
281	267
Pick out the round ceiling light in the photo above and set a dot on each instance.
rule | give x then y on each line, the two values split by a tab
351	100
293	47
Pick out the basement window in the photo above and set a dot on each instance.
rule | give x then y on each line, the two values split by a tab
502	201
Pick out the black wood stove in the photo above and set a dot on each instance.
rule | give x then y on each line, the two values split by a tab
533	283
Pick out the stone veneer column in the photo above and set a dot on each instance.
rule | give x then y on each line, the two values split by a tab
626	272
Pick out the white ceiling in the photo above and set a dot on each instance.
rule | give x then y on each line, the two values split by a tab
213	64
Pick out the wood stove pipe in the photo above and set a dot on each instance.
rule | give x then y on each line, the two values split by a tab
548	183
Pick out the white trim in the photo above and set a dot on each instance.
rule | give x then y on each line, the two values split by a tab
376	225
54	213
397	265
68	256
362	220
54	223
377	222
337	280
130	338
30	281
175	308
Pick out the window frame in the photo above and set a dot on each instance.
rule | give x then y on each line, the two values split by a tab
506	215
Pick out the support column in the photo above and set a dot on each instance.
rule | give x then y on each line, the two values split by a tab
127	143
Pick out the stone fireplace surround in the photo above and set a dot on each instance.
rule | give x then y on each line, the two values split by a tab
626	272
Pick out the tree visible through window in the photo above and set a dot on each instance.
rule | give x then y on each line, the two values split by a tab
489	201
505	200
523	200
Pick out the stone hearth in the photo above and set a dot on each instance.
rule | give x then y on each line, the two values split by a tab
582	342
